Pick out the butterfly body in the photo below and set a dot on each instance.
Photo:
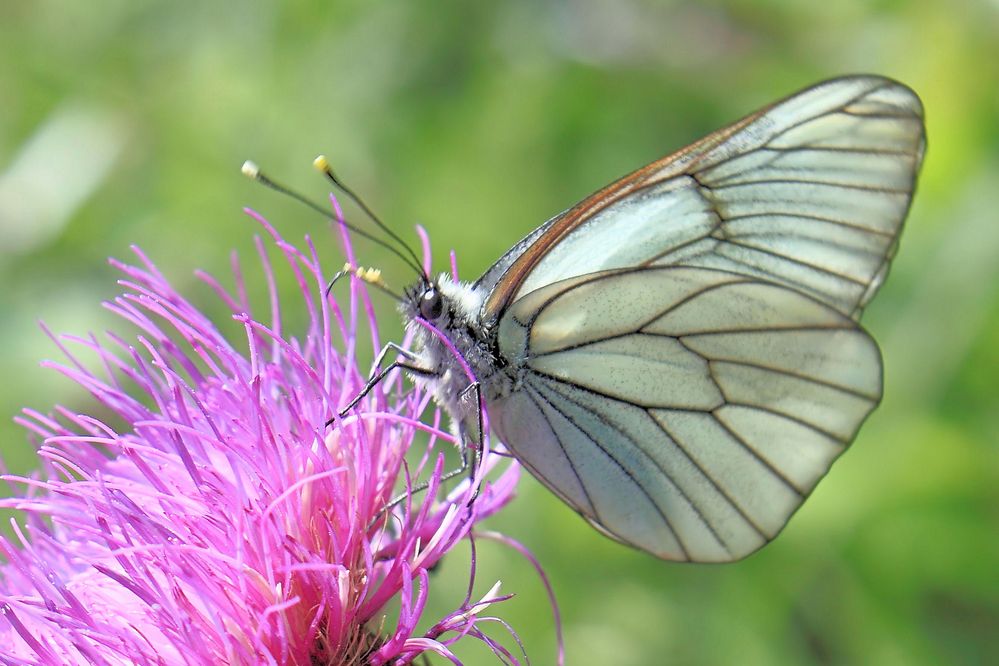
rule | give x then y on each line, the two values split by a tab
678	356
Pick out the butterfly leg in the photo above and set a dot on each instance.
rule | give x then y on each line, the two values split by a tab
470	446
469	453
393	347
377	375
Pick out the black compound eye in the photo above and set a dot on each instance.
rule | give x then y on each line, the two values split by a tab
431	305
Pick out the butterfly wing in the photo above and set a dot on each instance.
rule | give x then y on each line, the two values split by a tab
810	193
685	411
684	345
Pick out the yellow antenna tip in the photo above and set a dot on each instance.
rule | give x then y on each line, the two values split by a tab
250	170
369	275
321	164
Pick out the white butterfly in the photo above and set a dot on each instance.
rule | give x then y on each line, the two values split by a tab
678	357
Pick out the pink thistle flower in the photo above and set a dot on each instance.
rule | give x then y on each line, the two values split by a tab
209	515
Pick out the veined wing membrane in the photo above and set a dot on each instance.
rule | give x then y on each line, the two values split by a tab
686	411
809	193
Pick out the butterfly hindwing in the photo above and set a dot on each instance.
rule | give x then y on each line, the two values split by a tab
686	411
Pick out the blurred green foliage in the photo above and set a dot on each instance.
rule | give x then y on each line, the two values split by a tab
125	121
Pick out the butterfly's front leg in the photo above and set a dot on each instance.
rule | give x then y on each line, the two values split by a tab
377	375
391	347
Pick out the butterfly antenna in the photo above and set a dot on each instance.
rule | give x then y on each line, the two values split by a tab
371	276
323	165
253	172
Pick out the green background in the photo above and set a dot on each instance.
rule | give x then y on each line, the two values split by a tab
126	122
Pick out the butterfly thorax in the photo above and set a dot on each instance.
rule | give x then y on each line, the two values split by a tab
452	309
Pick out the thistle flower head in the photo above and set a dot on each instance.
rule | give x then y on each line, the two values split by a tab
208	512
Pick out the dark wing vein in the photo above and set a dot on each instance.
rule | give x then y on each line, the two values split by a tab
628	473
791	417
530	393
638	329
809	216
714	483
831	112
645	454
802	181
807	147
806	328
793	260
790	373
756	454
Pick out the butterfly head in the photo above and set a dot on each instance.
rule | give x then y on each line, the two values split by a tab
444	303
423	300
443	316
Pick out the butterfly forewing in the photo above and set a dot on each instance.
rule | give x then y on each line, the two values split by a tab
686	411
810	193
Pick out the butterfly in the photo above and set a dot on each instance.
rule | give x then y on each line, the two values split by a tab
678	357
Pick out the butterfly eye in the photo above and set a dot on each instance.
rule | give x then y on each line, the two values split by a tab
431	304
